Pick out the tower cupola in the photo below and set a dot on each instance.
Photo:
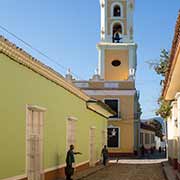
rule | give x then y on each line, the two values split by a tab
117	20
117	50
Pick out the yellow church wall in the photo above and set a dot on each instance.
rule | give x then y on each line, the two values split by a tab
100	84
116	73
126	105
125	123
126	142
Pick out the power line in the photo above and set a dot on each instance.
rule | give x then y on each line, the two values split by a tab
38	51
48	57
139	82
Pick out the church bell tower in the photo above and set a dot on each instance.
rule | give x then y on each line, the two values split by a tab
117	50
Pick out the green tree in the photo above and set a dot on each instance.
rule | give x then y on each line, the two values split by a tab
164	108
161	68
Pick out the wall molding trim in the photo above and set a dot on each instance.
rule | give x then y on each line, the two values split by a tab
110	92
47	170
16	177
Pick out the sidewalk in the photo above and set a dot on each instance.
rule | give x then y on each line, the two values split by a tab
87	172
155	155
90	171
169	172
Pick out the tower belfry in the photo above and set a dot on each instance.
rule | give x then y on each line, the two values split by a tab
117	50
114	81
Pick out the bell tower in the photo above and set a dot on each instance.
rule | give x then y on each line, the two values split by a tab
114	81
117	50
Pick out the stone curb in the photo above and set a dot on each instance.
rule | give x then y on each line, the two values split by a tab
164	172
168	172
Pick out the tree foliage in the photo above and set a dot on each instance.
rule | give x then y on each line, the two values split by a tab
139	110
164	108
161	68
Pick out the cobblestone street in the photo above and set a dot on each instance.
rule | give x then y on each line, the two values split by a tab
129	172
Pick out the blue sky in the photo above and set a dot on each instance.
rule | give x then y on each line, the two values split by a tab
68	32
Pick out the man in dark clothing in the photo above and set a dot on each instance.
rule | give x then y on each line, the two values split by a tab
104	154
152	150
160	149
69	170
142	150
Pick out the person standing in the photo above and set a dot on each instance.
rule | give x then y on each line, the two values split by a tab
160	149
70	159
142	150
152	150
104	154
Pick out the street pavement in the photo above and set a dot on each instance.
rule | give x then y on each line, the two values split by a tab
120	171
147	167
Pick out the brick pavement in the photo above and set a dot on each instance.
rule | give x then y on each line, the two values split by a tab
129	172
125	169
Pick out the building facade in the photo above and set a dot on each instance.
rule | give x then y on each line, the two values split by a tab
171	92
114	80
41	114
147	136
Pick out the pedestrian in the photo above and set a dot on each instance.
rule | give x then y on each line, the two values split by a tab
152	150
70	159
165	151
104	154
160	149
142	150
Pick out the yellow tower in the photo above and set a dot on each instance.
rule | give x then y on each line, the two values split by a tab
114	82
117	50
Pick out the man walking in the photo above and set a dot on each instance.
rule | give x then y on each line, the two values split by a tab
104	154
69	170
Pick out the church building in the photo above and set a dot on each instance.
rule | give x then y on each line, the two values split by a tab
114	80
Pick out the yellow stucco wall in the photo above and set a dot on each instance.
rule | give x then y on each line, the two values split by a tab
116	73
126	135
123	85
126	124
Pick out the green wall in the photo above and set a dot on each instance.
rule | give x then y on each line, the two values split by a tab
21	86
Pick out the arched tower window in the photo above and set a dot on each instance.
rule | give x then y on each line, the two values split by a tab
117	33
117	11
